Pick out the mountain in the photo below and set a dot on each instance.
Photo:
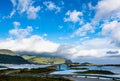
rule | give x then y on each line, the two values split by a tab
8	52
10	57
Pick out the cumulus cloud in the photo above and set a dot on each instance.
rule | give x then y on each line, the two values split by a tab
25	6
107	9
32	12
84	30
73	16
34	43
14	3
95	48
20	41
20	33
51	6
112	30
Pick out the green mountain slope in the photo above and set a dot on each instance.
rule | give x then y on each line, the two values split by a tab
44	60
10	57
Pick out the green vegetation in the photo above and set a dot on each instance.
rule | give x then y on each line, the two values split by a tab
44	60
29	78
35	71
96	72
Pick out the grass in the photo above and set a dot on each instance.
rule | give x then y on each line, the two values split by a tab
29	78
96	72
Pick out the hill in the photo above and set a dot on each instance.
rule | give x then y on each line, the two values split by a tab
44	60
8	52
10	57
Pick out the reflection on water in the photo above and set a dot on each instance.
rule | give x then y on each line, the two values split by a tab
22	66
67	71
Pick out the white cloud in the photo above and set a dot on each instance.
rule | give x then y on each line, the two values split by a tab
20	33
20	41
112	30
84	30
73	16
107	9
25	6
32	44
16	24
51	6
90	48
32	12
14	3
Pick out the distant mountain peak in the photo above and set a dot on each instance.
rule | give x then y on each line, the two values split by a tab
7	52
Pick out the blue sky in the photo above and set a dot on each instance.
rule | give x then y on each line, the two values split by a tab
86	29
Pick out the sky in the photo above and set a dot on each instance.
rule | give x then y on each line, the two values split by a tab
80	30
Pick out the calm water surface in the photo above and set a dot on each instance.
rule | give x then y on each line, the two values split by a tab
22	66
